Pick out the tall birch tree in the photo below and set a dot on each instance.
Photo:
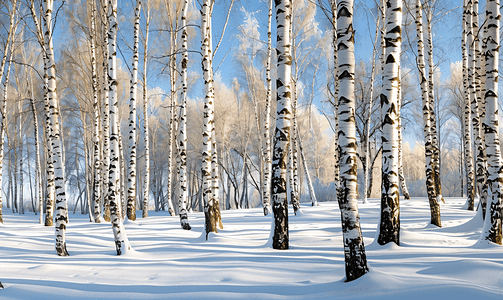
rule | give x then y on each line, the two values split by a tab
266	196
55	136
470	180
210	207
354	249
182	127
146	180
131	180
492	226
96	127
3	109
120	237
389	227
428	146
282	130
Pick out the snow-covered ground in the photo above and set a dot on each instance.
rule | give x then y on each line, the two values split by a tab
170	263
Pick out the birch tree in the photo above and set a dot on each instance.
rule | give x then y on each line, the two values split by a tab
282	130
354	249
55	136
131	186
492	226
120	237
389	227
210	208
96	127
3	109
146	180
430	179
182	133
266	201
470	180
435	159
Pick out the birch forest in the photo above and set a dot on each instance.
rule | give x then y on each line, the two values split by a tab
120	110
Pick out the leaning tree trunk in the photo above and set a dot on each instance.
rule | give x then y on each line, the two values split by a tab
280	239
389	227
492	225
131	180
121	240
401	175
55	137
428	147
354	249
470	180
312	194
146	180
49	202
182	133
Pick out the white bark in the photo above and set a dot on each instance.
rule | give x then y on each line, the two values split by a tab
430	181
354	249
492	226
121	240
131	178
182	133
55	137
266	196
389	227
207	166
470	182
282	130
96	127
106	118
146	180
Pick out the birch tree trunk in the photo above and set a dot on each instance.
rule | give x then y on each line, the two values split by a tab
55	137
96	128
354	249
433	119
211	219
106	116
182	134
279	202
333	5
480	169
131	180
266	192
172	105
120	237
492	226
146	180
389	227
7	49
294	158
366	146
430	183
470	180
312	194
38	171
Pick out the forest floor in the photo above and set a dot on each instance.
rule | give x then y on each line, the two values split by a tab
238	263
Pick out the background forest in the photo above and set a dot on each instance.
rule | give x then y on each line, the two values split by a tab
240	30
